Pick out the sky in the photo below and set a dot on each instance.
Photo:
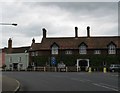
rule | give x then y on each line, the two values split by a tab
59	19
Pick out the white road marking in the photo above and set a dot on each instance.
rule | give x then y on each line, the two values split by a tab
108	85
105	87
18	86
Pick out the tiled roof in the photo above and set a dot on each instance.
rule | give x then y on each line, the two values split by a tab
35	46
18	49
73	43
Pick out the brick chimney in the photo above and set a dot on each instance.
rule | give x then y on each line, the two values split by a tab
10	43
76	32
33	40
44	32
88	31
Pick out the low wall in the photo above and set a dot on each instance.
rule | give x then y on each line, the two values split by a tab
66	69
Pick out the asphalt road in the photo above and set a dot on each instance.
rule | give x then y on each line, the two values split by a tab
66	81
0	82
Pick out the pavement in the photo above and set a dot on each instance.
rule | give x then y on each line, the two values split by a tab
10	84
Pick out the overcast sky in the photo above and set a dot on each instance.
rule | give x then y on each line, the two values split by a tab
58	18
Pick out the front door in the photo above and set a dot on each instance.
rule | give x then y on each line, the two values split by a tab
15	66
83	64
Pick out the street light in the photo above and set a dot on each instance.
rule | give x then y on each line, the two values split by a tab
14	24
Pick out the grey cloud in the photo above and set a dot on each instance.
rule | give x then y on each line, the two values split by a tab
59	19
82	7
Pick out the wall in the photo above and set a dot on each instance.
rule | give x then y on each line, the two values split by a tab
15	58
2	58
70	59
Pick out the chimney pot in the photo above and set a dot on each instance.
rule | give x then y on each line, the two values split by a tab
44	32
10	43
76	32
88	31
33	40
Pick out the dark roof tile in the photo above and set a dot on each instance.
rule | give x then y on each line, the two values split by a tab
73	43
18	49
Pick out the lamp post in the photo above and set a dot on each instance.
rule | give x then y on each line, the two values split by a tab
26	59
14	24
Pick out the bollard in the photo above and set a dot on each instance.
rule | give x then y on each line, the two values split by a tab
78	69
55	69
89	69
34	68
44	69
104	70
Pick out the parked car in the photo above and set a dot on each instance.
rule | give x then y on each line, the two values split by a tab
114	68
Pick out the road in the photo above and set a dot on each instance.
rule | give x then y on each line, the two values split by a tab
65	81
0	82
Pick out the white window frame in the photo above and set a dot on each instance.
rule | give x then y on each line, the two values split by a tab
111	49
83	49
36	53
97	52
19	59
68	52
32	53
10	59
54	50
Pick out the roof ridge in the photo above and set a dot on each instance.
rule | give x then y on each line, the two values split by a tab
82	37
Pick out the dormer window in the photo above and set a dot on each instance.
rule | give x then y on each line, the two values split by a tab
111	49
55	49
82	49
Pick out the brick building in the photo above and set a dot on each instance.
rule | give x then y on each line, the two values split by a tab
81	51
2	57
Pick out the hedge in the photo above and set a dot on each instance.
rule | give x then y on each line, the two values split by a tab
71	60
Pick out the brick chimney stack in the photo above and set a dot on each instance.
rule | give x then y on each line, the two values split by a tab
44	32
33	40
88	31
10	43
76	32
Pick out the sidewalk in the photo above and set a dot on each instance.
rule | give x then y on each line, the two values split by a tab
10	84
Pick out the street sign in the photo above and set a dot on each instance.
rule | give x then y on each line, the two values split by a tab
61	65
53	60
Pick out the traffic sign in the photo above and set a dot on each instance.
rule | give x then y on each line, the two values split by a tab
53	60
